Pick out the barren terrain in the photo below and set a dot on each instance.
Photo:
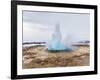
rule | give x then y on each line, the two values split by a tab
40	57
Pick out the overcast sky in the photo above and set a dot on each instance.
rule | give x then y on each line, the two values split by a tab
39	26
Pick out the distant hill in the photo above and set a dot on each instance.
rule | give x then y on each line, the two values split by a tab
34	43
82	43
86	41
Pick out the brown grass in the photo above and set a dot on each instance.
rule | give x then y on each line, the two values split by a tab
39	57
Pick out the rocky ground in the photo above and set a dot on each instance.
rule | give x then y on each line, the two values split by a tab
40	57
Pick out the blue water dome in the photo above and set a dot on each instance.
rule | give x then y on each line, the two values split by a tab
56	43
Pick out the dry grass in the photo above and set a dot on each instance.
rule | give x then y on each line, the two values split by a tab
39	57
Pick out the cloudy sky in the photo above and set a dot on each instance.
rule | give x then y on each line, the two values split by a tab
39	26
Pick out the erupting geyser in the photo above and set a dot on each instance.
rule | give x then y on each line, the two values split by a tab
56	43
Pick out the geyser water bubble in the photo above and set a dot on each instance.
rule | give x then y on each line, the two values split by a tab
56	43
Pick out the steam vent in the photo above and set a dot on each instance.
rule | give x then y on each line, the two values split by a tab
56	43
